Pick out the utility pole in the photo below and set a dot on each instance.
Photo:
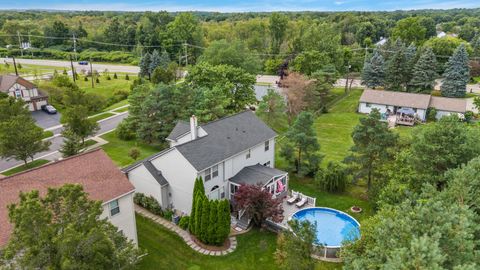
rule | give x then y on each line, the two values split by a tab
186	54
91	72
30	44
20	43
15	65
75	46
73	69
346	81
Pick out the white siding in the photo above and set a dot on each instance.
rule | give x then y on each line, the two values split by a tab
125	219
441	114
180	175
144	183
363	108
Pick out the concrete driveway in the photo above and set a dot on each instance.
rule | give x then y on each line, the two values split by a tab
45	120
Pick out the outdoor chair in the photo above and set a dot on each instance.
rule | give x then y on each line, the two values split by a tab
293	199
302	202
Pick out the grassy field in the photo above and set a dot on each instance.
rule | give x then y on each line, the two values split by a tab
33	164
106	87
99	117
118	149
28	70
116	105
167	250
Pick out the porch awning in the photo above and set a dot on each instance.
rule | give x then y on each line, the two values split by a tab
256	174
408	111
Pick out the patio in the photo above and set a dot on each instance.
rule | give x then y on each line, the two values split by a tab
290	209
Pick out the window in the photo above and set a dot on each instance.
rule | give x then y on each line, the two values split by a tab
214	171
233	189
248	154
267	164
222	194
267	145
208	174
18	93
114	208
211	173
368	105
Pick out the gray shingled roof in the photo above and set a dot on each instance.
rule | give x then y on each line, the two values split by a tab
226	137
180	128
256	174
402	99
155	173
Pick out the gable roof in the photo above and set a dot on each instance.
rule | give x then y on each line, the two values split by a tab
256	174
155	173
7	81
180	128
402	99
94	170
449	104
226	137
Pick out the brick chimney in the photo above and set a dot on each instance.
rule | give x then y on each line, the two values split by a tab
193	127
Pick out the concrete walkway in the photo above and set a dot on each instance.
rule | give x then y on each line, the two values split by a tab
185	235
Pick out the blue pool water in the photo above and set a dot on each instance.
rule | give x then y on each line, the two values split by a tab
333	226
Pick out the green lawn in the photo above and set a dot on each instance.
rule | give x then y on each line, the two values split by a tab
47	134
118	149
28	70
106	87
116	105
33	164
102	116
166	250
124	109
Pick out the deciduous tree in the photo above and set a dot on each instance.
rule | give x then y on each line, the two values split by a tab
295	246
258	204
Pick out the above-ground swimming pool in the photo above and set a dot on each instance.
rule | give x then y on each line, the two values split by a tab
333	227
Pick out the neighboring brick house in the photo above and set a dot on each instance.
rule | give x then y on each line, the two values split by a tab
94	170
18	87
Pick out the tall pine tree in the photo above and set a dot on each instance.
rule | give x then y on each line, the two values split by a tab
223	229
213	225
205	221
424	73
198	190
373	74
145	65
411	59
457	74
396	69
198	215
155	61
164	59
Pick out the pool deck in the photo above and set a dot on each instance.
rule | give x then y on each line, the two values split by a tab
289	210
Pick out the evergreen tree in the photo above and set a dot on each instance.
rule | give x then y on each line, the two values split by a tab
213	224
223	229
198	190
476	45
411	59
396	69
424	73
72	143
145	65
302	147
155	61
373	74
198	215
205	220
457	74
164	59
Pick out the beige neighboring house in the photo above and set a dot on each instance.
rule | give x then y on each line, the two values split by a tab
94	170
18	87
393	102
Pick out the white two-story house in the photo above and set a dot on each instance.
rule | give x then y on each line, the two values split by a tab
226	153
18	87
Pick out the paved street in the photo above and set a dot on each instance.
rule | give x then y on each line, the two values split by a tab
52	154
66	64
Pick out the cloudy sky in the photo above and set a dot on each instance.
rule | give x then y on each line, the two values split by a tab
237	5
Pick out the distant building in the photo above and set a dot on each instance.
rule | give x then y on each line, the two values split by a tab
381	42
18	87
94	170
391	102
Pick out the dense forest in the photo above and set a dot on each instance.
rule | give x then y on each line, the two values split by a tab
306	40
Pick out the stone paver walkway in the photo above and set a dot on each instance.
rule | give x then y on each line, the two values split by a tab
185	235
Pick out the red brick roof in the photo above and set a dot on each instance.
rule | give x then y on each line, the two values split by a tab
94	170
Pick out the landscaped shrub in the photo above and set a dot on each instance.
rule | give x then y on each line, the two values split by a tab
168	214
97	80
95	102
149	203
134	153
333	178
184	222
85	78
115	76
468	116
431	114
126	77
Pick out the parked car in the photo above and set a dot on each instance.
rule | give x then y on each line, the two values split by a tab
83	63
49	109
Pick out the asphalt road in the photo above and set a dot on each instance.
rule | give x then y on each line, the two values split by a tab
66	64
52	154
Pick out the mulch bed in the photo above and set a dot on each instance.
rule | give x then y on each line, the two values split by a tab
223	247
